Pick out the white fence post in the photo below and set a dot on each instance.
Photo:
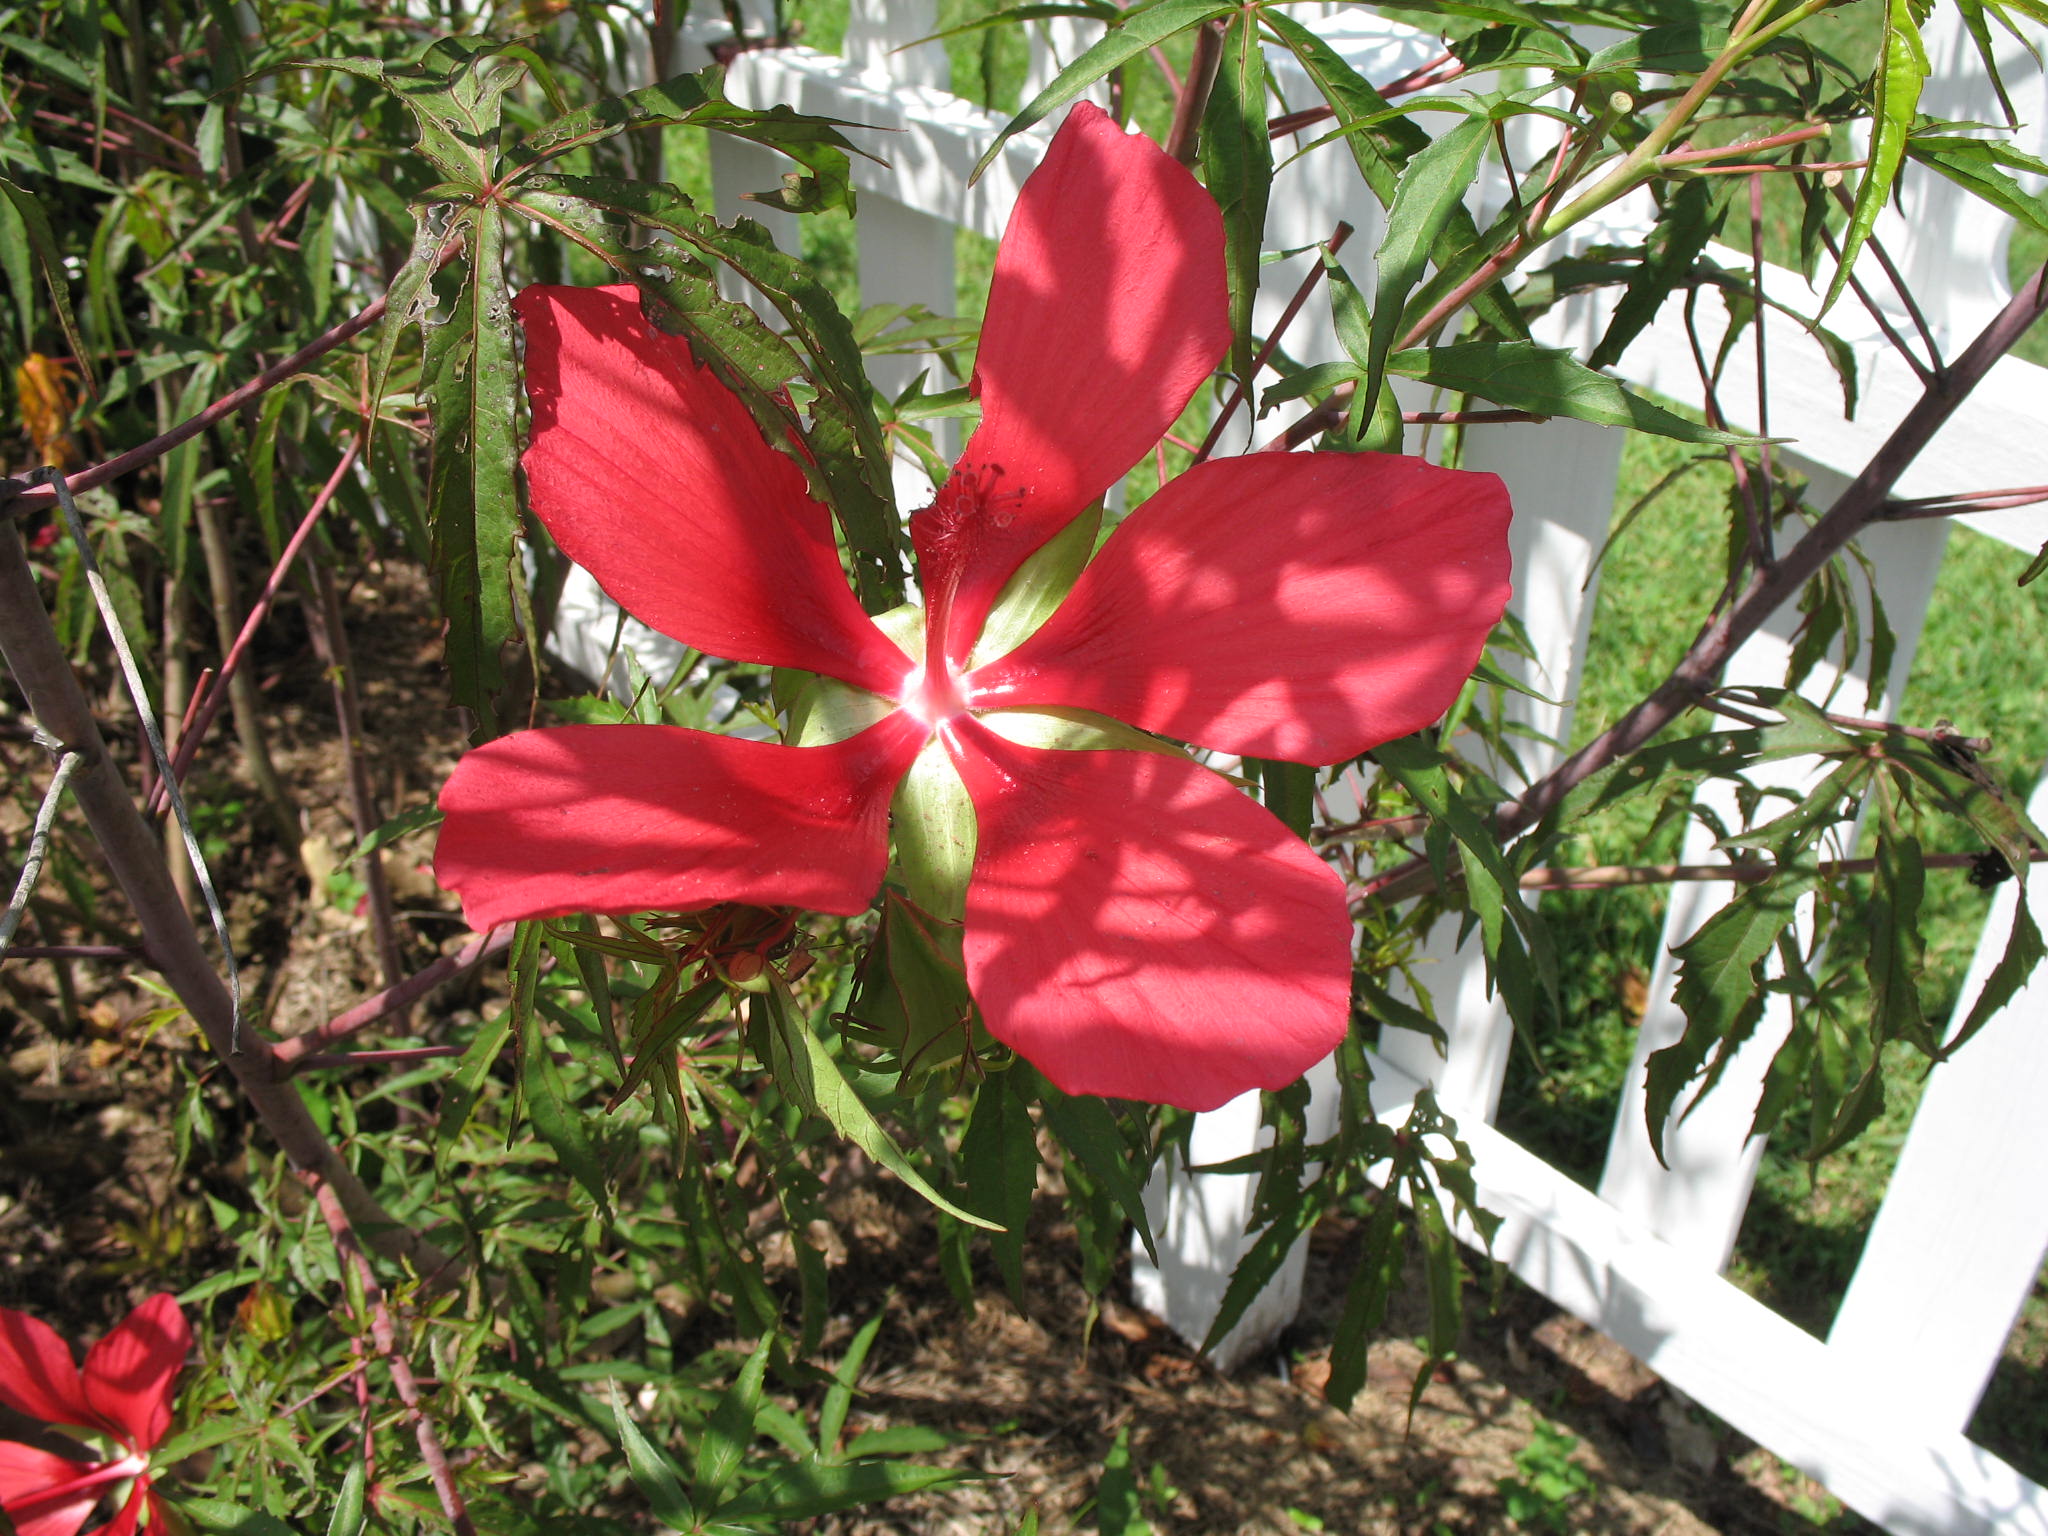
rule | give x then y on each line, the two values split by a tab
1964	1225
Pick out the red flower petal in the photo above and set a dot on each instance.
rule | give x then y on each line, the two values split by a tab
633	818
37	1376
1107	311
1138	928
130	1513
25	1473
1298	606
128	1374
652	476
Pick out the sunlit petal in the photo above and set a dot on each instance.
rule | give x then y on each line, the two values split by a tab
1108	309
1138	928
652	476
633	818
129	1373
1296	606
37	1375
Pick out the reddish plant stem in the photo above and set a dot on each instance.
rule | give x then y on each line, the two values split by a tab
1767	590
370	1058
214	697
1308	285
1749	147
1332	410
26	500
384	1334
294	205
43	672
1193	99
1777	168
1922	370
1608	876
1767	496
72	952
1468	418
1898	282
1445	66
1963	502
485	946
1436	72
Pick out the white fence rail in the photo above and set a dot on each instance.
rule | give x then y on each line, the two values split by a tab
1877	1410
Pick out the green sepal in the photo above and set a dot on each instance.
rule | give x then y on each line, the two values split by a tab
935	833
1036	588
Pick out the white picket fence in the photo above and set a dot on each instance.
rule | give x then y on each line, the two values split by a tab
1877	1410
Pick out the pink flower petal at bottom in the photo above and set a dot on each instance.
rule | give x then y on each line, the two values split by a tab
37	1376
129	1373
1138	928
635	818
29	1484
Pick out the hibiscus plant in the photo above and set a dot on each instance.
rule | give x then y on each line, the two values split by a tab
999	808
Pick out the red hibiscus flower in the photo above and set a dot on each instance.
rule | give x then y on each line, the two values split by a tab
123	1393
1134	925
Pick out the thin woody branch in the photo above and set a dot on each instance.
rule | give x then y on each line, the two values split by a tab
384	1335
135	857
1768	590
1595	877
292	1054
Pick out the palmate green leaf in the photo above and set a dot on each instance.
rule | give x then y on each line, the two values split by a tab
1680	766
1678	48
1897	950
1382	141
1436	177
811	1075
1901	71
458	1099
659	1479
1087	1128
471	385
1515	47
1520	957
2023	951
1365	1300
455	92
730	1429
1973	14
850	457
1689	218
1237	165
1979	167
410	296
1136	30
999	1156
1550	382
218	1517
564	1125
699	100
350	1504
1267	1253
845	1377
1720	987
